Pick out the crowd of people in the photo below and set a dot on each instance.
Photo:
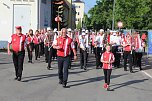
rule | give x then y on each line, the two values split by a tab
109	48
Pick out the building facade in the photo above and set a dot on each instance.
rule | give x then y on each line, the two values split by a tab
79	6
30	14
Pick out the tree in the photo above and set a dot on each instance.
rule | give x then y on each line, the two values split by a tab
79	25
135	14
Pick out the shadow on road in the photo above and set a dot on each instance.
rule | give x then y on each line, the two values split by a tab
91	80
128	83
39	77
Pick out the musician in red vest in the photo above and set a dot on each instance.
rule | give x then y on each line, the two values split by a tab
107	59
36	42
64	46
127	46
18	42
138	49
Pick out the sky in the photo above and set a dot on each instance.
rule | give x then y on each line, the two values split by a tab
89	4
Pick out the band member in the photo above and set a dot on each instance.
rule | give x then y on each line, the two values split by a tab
99	48
30	45
127	45
70	34
144	37
107	59
115	41
64	46
54	56
48	47
138	50
83	51
42	37
18	42
36	44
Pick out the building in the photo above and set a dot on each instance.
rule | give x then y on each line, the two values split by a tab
79	6
30	14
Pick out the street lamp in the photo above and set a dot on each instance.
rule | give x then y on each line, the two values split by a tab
113	18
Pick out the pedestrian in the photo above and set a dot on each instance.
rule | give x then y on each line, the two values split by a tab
30	45
18	42
107	59
64	46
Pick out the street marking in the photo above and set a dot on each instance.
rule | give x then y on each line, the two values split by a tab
147	74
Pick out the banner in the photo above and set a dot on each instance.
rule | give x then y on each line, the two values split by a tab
150	42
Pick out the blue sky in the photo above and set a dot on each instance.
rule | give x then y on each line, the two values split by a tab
89	4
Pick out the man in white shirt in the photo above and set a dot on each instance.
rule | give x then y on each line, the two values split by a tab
115	41
99	48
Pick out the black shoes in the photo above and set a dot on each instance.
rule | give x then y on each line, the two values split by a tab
49	68
64	84
60	82
19	79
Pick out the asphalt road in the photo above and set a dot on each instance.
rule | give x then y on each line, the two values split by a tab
40	84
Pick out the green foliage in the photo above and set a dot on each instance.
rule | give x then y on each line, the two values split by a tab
135	14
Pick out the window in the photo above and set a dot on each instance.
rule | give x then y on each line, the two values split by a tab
43	1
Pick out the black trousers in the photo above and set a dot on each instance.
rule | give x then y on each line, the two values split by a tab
36	46
98	57
18	60
49	57
63	64
30	48
138	57
117	56
107	74
127	58
83	58
54	53
42	48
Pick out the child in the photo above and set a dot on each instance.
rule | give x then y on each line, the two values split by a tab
107	59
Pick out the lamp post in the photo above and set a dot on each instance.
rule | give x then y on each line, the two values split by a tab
113	18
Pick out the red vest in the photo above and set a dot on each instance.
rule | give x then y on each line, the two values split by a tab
127	48
18	42
65	45
107	56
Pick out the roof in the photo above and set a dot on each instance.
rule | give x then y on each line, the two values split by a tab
78	1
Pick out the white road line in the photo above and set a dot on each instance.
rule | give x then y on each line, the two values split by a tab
147	74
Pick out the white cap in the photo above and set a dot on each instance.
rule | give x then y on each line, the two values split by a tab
69	29
48	28
55	30
83	30
86	31
83	33
101	30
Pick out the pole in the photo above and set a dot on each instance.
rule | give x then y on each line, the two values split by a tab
113	19
58	26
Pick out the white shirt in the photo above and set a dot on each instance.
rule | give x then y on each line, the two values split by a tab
99	39
115	39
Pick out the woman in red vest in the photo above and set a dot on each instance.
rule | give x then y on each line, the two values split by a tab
107	59
30	45
36	44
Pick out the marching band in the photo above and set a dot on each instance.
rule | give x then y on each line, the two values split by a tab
64	46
